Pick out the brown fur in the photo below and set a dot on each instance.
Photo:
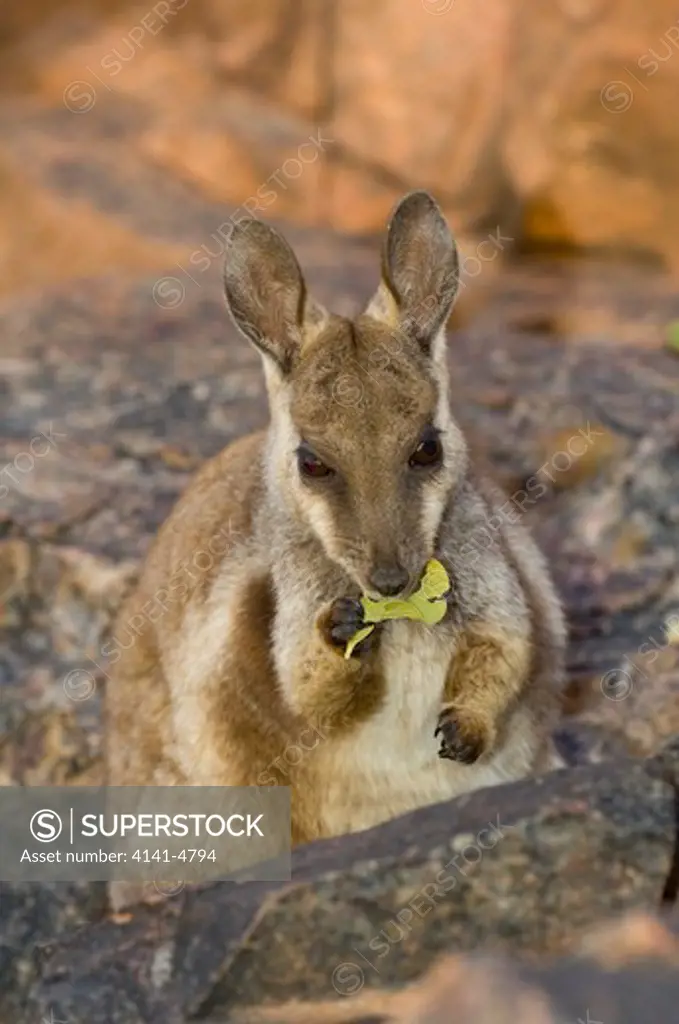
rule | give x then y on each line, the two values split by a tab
488	673
225	670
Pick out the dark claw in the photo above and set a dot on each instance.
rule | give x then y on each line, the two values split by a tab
455	745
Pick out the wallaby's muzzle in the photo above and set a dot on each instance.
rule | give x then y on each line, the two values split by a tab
389	580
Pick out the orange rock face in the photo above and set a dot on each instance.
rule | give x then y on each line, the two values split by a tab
555	122
593	144
420	94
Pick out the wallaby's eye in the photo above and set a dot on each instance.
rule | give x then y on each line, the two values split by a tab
429	451
310	465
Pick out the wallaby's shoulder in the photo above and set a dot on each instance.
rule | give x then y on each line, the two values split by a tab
211	523
228	484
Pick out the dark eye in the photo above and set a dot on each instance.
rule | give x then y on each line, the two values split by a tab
310	465
429	451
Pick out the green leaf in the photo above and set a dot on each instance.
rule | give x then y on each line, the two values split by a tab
429	612
435	581
359	635
672	340
387	608
425	605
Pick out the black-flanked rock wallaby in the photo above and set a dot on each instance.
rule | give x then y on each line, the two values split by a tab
228	659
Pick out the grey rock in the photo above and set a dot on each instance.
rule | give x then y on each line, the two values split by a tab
524	868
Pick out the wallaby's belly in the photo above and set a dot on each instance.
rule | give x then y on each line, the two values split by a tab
390	765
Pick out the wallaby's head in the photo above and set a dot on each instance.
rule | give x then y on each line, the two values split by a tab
363	446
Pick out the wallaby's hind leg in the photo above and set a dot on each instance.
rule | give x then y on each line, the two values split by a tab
137	724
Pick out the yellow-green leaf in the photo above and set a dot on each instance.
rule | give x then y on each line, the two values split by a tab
435	581
387	608
425	605
429	612
673	336
359	635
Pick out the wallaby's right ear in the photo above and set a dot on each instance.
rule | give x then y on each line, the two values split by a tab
266	295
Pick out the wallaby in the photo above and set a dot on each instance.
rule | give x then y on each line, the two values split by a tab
228	662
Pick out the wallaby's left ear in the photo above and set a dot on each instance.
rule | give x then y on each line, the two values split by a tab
420	270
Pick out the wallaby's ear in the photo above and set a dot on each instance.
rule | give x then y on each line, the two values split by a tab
420	270
266	295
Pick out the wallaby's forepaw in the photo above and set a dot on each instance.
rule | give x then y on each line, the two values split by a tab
462	739
343	620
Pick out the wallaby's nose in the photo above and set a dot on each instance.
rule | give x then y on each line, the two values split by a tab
389	580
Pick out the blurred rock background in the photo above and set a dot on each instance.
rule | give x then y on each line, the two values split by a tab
555	123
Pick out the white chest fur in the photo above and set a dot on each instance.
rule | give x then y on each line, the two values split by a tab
390	764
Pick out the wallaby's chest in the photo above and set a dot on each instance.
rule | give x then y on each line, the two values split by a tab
390	764
415	661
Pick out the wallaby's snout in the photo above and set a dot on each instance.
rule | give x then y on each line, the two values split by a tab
389	579
364	447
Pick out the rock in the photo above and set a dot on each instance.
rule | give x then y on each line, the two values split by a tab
552	122
385	927
485	990
524	868
52	243
637	936
590	153
31	918
427	104
640	983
